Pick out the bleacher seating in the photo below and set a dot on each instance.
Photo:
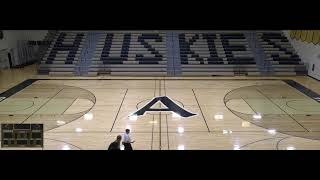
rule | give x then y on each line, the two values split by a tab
282	56
63	54
130	54
215	54
192	53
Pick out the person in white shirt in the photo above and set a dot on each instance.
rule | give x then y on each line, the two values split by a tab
127	140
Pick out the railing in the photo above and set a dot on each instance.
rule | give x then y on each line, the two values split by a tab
263	64
87	54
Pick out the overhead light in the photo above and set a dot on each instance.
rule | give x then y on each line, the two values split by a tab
291	148
245	124
257	116
133	117
88	116
175	115
236	147
60	123
66	147
78	130
181	147
226	131
153	122
272	131
218	117
180	129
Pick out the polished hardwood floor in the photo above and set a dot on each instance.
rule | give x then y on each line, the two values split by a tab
89	112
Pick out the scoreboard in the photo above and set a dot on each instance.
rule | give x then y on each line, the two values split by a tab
22	135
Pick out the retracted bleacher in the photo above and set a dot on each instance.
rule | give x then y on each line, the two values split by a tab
188	53
130	53
215	54
282	56
63	54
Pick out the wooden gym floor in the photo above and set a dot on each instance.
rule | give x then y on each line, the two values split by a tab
246	113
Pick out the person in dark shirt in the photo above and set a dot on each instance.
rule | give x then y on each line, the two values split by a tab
115	145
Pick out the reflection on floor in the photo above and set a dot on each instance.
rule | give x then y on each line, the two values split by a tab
214	126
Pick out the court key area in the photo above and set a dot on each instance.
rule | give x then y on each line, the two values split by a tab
229	113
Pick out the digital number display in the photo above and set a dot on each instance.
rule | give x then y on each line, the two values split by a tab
21	135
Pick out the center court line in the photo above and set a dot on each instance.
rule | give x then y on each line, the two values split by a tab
165	93
154	94
160	145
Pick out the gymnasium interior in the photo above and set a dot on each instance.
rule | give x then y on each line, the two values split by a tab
174	89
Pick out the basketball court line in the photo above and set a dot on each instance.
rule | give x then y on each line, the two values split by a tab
173	132
22	109
42	106
306	91
245	145
74	100
168	139
278	143
115	119
152	132
311	135
65	143
167	78
249	106
166	116
13	90
165	93
258	141
154	94
290	106
201	110
282	109
160	127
